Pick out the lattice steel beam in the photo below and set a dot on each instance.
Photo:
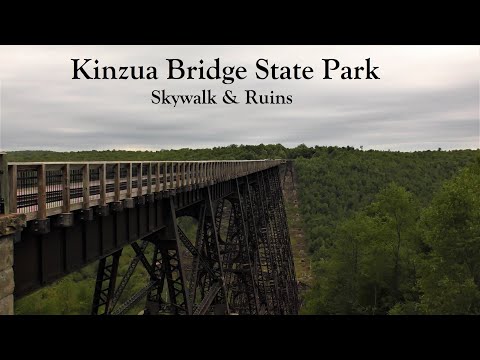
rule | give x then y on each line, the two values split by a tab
105	283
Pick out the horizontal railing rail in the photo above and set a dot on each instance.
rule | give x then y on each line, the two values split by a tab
43	189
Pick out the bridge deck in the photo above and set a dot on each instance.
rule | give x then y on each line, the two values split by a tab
43	189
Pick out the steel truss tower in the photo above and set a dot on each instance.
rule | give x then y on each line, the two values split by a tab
240	261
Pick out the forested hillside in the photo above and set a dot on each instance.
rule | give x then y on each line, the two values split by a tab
336	182
387	232
242	152
392	233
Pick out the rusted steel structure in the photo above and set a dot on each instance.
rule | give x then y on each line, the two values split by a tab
238	262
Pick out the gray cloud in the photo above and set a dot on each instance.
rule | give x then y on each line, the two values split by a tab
427	97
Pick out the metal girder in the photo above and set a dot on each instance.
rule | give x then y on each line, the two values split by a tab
194	251
175	284
143	259
203	307
155	303
168	266
277	244
127	305
196	256
251	217
127	276
105	283
212	272
279	212
267	243
240	274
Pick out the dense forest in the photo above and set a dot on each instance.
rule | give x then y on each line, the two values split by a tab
392	233
387	232
237	152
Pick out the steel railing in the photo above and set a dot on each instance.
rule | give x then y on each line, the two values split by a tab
43	189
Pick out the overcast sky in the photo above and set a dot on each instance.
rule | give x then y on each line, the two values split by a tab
427	97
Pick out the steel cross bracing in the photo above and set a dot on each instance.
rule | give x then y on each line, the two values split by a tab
279	233
133	264
282	218
105	283
248	270
238	264
268	242
212	284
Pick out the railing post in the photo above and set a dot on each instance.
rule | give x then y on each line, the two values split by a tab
42	192
149	178
157	178
66	188
65	219
181	174
86	186
4	191
103	184
165	166
199	172
176	175
128	202
189	174
117	182
129	181
11	188
184	175
195	173
139	179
